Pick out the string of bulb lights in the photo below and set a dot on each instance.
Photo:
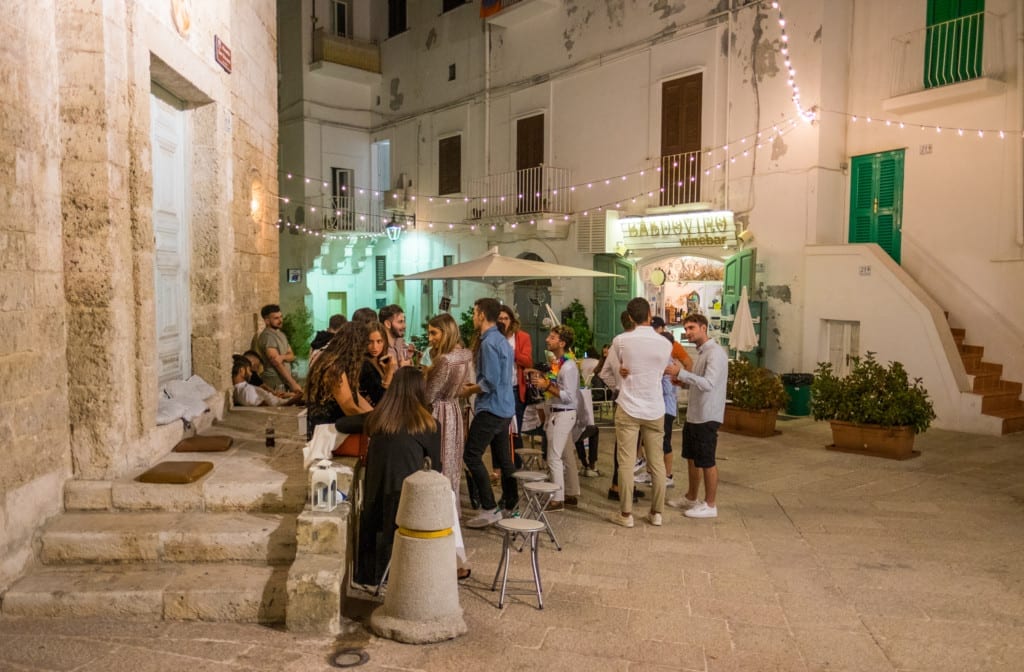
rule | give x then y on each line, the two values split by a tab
778	131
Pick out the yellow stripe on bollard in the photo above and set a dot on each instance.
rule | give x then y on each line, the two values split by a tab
420	534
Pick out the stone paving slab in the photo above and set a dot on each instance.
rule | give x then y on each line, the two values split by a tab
819	561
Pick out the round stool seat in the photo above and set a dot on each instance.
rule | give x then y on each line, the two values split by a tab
521	525
528	476
541	486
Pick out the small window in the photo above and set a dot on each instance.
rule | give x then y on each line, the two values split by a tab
341	17
449	165
451	72
342	216
449	5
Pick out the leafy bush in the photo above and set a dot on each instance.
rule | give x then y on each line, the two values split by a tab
298	327
466	327
754	388
575	316
872	395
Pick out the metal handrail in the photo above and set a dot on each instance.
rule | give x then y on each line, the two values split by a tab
521	192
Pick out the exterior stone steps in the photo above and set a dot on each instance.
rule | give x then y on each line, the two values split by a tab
999	398
153	537
238	482
175	591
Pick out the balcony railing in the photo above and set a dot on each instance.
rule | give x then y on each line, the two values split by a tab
345	51
684	179
963	49
355	214
521	192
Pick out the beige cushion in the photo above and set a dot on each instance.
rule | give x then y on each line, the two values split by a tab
175	472
204	444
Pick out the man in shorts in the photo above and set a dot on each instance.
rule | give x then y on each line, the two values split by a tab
704	413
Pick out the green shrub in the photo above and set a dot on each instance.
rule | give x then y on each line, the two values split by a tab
298	327
872	395
575	316
753	387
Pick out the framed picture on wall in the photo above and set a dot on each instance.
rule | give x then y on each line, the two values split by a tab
294	275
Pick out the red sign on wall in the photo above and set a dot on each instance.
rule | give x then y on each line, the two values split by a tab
222	54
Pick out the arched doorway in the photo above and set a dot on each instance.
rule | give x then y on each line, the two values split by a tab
529	299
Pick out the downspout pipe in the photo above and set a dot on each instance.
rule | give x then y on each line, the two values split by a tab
1020	117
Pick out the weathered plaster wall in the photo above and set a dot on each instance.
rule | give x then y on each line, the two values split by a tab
34	433
960	199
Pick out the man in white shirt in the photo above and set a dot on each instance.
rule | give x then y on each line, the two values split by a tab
249	395
704	413
635	365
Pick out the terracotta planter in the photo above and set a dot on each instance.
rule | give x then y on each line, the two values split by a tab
748	422
896	443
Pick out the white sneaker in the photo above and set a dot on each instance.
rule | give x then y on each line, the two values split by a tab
484	519
702	510
591	473
642	479
684	503
619	519
670	482
640	465
655	519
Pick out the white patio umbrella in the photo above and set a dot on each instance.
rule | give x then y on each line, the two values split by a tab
495	270
743	338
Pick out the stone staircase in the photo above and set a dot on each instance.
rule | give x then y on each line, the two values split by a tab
223	548
999	398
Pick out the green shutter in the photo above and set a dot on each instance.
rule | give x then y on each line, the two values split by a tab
954	41
876	200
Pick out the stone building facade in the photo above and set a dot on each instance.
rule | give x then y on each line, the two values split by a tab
81	290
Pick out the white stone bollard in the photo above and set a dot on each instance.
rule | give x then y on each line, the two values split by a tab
422	600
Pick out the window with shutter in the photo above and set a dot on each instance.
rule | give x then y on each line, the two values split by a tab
953	41
449	165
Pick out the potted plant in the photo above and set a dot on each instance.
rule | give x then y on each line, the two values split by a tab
874	410
755	396
798	389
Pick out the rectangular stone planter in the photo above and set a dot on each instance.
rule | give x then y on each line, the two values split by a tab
895	443
748	422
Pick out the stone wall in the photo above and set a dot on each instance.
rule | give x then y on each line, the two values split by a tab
34	432
77	305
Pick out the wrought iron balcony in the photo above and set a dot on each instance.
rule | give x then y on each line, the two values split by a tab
543	189
345	51
687	178
970	47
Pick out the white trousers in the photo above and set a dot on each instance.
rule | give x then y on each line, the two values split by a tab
562	453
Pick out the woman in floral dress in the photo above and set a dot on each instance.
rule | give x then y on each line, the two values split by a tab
450	369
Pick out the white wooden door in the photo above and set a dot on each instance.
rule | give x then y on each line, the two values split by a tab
170	227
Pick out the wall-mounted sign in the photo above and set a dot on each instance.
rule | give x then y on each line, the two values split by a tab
684	229
222	54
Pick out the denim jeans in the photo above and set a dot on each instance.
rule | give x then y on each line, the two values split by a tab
487	429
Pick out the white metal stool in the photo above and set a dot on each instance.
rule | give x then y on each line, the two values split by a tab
511	527
524	476
538	495
531	459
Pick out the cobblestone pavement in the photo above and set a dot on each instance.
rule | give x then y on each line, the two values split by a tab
818	561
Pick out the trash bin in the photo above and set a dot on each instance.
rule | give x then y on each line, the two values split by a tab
798	387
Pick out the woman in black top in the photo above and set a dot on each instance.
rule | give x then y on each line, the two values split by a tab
378	367
402	432
332	388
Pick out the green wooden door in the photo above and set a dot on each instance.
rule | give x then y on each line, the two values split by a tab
953	41
611	295
740	270
876	200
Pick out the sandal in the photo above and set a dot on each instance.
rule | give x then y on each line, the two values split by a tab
463	574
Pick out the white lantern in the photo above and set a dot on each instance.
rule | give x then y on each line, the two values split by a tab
323	486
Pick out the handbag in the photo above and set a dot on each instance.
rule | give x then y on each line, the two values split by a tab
353	445
533	395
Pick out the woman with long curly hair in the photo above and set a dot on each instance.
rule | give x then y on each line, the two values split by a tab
378	366
451	368
402	432
332	390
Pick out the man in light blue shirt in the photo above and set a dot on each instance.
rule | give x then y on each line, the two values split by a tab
705	410
493	410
